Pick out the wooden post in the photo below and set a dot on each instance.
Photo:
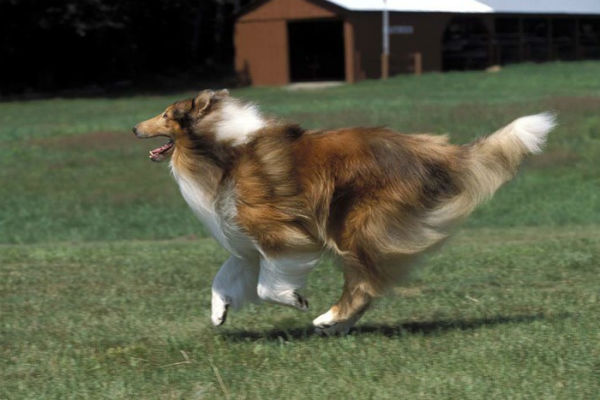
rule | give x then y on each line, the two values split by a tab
385	66
417	63
350	59
385	31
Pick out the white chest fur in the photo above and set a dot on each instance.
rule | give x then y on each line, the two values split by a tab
217	213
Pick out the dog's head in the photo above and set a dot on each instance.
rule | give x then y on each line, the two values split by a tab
186	121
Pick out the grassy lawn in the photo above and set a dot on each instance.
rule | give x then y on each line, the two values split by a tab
105	274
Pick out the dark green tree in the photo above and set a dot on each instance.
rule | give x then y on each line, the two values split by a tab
51	45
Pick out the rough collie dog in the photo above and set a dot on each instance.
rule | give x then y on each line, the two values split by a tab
277	196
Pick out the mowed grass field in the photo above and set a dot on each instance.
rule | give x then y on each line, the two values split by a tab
105	274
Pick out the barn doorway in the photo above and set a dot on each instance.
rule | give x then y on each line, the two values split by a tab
316	50
466	45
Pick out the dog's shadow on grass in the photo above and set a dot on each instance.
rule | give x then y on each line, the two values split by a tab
391	331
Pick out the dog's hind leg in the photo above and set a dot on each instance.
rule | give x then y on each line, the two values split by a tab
363	281
280	279
233	286
355	300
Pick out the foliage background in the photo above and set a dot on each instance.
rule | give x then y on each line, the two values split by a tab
96	46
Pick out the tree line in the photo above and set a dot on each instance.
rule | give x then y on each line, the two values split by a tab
53	45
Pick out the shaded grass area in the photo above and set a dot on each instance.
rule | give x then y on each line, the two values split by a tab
71	169
510	313
105	277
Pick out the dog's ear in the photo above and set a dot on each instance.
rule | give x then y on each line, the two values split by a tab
202	101
206	98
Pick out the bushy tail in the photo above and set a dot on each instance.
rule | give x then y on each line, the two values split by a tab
492	161
532	130
495	159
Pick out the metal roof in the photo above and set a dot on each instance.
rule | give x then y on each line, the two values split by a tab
476	6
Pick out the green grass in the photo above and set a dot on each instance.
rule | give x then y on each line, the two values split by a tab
105	274
72	170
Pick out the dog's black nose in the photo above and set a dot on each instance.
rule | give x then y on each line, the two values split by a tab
134	129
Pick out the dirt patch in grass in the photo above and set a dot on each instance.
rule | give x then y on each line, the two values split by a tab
563	106
408	291
554	158
573	105
331	120
89	141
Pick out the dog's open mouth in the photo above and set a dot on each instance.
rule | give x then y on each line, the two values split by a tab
161	152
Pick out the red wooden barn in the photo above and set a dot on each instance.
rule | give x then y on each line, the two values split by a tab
283	41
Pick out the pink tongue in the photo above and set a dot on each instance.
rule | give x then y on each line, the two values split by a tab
159	150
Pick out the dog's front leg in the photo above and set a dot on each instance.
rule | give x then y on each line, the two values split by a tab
233	286
280	279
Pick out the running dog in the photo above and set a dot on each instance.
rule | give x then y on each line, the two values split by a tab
277	196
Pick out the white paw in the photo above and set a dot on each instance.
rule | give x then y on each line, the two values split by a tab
219	307
324	320
325	324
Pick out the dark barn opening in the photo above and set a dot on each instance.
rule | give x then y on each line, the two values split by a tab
589	33
316	50
508	40
536	39
564	39
466	45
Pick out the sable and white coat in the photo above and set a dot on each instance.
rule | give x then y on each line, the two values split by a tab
277	196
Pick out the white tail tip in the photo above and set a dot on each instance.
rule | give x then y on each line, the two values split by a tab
533	130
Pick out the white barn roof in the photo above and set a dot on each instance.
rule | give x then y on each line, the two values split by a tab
476	6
